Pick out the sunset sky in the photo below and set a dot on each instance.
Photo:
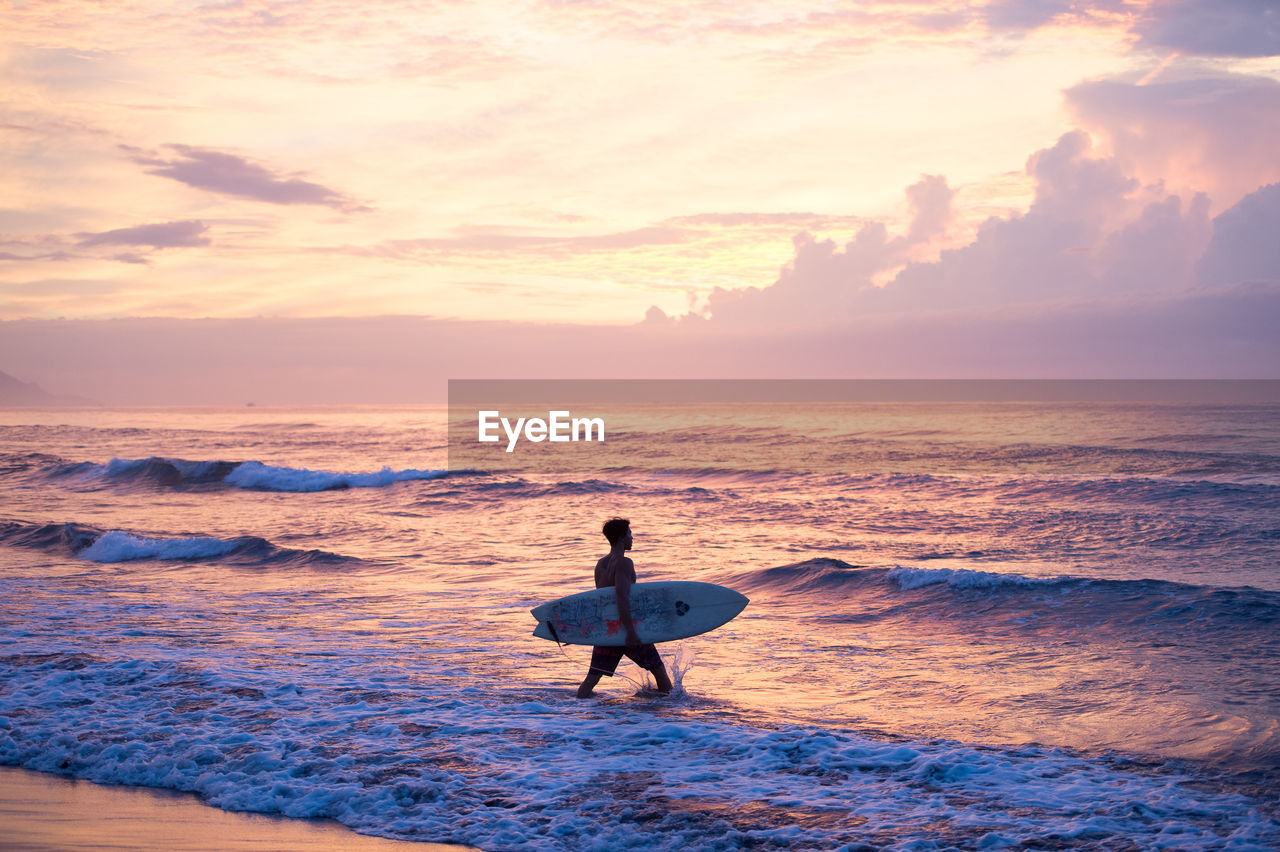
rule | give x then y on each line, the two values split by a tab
698	166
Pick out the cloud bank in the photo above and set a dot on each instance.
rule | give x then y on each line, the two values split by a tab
1210	334
1093	235
1214	133
1245	245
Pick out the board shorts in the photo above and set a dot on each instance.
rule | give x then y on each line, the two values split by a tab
605	658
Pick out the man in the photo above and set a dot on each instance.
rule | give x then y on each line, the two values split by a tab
618	571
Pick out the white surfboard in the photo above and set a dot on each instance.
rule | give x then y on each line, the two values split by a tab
663	612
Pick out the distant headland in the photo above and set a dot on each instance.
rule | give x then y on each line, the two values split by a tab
17	393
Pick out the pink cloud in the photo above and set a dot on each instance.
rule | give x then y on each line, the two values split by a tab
1229	28
58	247
1087	235
1158	251
1093	234
1245	245
163	235
1216	135
1213	27
229	174
1078	240
823	282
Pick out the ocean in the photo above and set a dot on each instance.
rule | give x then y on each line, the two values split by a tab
1048	625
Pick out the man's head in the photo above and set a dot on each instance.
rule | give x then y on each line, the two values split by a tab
616	530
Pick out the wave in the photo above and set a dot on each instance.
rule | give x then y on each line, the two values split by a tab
965	596
962	578
1248	491
1163	492
254	475
119	546
481	486
665	469
109	546
24	463
811	575
1107	488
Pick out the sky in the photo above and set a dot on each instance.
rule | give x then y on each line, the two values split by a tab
1076	188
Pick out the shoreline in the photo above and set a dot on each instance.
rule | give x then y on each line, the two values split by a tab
43	812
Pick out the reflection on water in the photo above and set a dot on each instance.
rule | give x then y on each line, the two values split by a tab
957	587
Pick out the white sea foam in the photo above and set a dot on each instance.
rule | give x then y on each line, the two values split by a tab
963	578
119	546
254	474
517	773
250	474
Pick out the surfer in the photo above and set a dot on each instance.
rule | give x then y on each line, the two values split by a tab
618	571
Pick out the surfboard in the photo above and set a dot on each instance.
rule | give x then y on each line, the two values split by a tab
663	612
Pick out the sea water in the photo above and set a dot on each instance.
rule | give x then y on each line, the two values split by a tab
985	626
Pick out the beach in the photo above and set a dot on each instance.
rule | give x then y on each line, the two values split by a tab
45	813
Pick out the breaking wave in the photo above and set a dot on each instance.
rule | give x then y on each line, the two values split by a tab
990	598
107	546
180	473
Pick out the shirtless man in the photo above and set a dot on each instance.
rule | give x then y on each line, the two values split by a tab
618	571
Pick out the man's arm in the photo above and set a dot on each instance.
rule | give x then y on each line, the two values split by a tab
622	588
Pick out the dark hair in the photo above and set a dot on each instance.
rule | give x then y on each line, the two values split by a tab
616	528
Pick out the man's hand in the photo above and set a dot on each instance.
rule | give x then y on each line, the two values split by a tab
622	589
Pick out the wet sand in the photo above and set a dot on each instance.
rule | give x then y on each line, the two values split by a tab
47	813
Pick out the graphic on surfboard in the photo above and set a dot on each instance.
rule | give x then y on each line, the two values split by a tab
663	612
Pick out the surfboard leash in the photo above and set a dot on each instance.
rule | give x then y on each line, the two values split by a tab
556	636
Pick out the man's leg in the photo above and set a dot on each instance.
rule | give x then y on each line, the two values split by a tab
603	662
660	677
647	658
588	683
